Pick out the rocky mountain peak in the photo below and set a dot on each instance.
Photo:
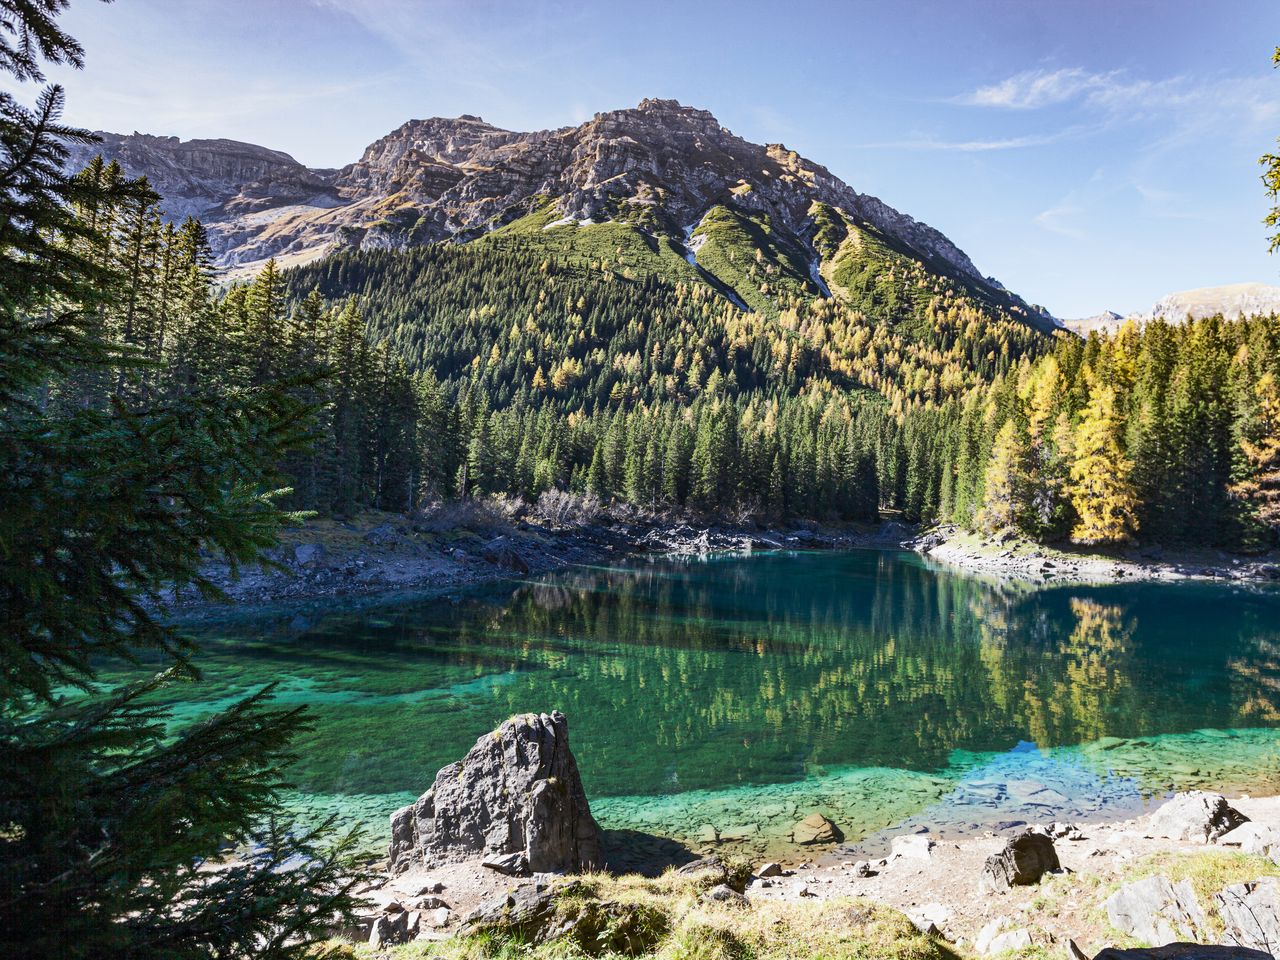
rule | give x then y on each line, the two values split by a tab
660	165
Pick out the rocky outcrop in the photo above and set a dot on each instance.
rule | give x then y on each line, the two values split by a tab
1250	913
660	164
516	799
1156	911
1198	816
1025	858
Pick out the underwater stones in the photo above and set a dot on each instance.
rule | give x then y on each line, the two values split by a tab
815	829
1196	816
1026	857
1157	910
1250	913
517	793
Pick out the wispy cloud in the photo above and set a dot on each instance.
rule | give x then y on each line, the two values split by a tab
981	145
1033	89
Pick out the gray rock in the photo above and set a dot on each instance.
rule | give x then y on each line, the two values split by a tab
309	554
929	919
1196	816
1026	857
723	893
1157	911
913	847
769	870
510	864
393	927
1254	838
1251	914
716	870
996	938
517	792
502	552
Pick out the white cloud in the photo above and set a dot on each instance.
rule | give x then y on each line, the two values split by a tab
1033	89
979	146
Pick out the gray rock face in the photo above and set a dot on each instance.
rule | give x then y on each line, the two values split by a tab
516	794
1025	858
1197	816
457	178
1157	911
1251	914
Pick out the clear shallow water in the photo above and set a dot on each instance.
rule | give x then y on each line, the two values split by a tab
735	695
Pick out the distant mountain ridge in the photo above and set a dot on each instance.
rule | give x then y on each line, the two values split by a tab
660	167
1229	300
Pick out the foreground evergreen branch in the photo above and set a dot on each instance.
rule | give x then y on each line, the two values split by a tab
122	834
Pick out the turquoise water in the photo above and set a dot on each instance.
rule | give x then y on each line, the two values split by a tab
729	697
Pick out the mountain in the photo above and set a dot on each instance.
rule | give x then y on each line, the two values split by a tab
759	223
1230	301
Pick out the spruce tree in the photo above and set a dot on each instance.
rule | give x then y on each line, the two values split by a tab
110	818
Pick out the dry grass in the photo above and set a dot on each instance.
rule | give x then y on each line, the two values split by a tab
696	929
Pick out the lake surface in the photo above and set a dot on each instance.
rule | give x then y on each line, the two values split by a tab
729	697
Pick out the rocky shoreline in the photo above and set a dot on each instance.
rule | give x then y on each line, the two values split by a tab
381	553
1010	558
504	847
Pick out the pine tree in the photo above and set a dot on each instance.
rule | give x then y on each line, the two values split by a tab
111	816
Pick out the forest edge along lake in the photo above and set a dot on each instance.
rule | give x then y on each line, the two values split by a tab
722	699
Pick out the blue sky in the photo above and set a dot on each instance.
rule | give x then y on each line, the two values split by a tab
1090	154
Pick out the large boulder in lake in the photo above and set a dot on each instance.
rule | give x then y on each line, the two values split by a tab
1198	816
515	797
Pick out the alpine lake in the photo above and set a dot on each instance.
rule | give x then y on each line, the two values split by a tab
721	700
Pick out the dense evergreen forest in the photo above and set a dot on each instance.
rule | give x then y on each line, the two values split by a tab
459	371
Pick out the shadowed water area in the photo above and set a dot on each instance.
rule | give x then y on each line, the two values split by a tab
723	700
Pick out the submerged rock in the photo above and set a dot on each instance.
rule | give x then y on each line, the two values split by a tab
515	799
816	828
